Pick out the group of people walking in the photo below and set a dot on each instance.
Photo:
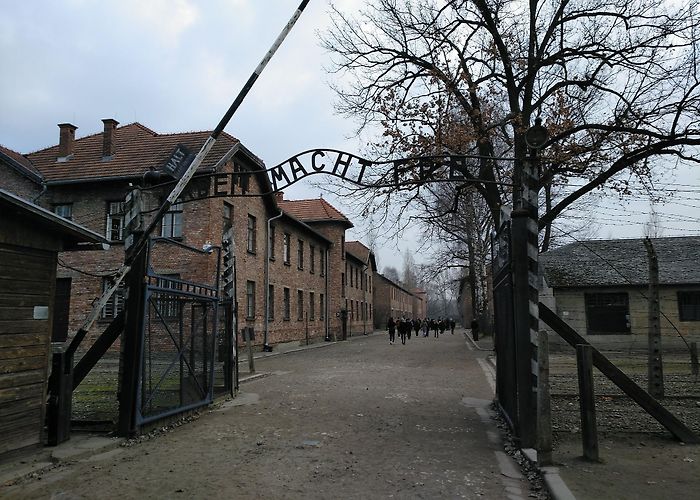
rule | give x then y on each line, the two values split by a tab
404	326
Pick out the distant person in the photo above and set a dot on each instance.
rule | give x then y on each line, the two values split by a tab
452	326
416	326
391	326
441	325
436	328
426	327
475	329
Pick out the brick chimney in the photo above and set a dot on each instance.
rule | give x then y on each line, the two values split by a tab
108	137
66	137
279	196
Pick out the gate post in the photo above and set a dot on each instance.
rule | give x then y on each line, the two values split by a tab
526	283
524	348
132	337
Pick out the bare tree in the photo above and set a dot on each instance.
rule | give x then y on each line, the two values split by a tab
615	82
410	275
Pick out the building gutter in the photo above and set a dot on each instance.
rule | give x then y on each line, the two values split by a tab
266	346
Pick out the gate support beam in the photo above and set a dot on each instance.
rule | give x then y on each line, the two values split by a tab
639	395
98	349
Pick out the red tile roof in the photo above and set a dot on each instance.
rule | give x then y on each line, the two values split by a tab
317	210
137	149
20	161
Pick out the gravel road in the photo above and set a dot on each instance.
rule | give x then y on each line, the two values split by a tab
357	419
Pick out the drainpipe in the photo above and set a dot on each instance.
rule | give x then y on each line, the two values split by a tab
266	346
364	295
327	302
44	187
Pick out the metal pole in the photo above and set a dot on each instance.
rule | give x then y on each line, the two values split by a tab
209	143
131	347
140	243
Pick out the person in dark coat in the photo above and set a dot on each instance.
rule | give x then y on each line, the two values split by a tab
416	326
452	326
434	324
402	330
441	325
391	326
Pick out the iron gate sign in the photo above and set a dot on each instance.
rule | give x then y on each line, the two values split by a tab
346	166
179	161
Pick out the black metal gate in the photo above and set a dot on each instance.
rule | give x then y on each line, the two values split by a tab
504	325
180	324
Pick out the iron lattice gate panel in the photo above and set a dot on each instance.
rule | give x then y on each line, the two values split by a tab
504	325
179	334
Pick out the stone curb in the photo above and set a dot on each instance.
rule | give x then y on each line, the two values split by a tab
79	448
473	343
556	486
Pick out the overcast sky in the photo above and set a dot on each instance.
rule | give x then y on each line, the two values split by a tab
176	65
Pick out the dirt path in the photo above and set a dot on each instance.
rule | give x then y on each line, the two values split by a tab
358	419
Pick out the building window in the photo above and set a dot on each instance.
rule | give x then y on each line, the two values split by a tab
342	247
300	304
300	254
252	233
286	243
607	313
271	302
172	222
287	307
250	299
115	220
271	242
64	210
323	262
228	216
115	304
312	306
312	258
321	306
342	284
351	276
370	311
689	306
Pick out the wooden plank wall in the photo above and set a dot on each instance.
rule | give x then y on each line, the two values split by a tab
27	279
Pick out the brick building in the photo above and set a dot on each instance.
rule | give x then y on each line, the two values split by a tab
18	175
360	269
390	299
420	303
290	255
